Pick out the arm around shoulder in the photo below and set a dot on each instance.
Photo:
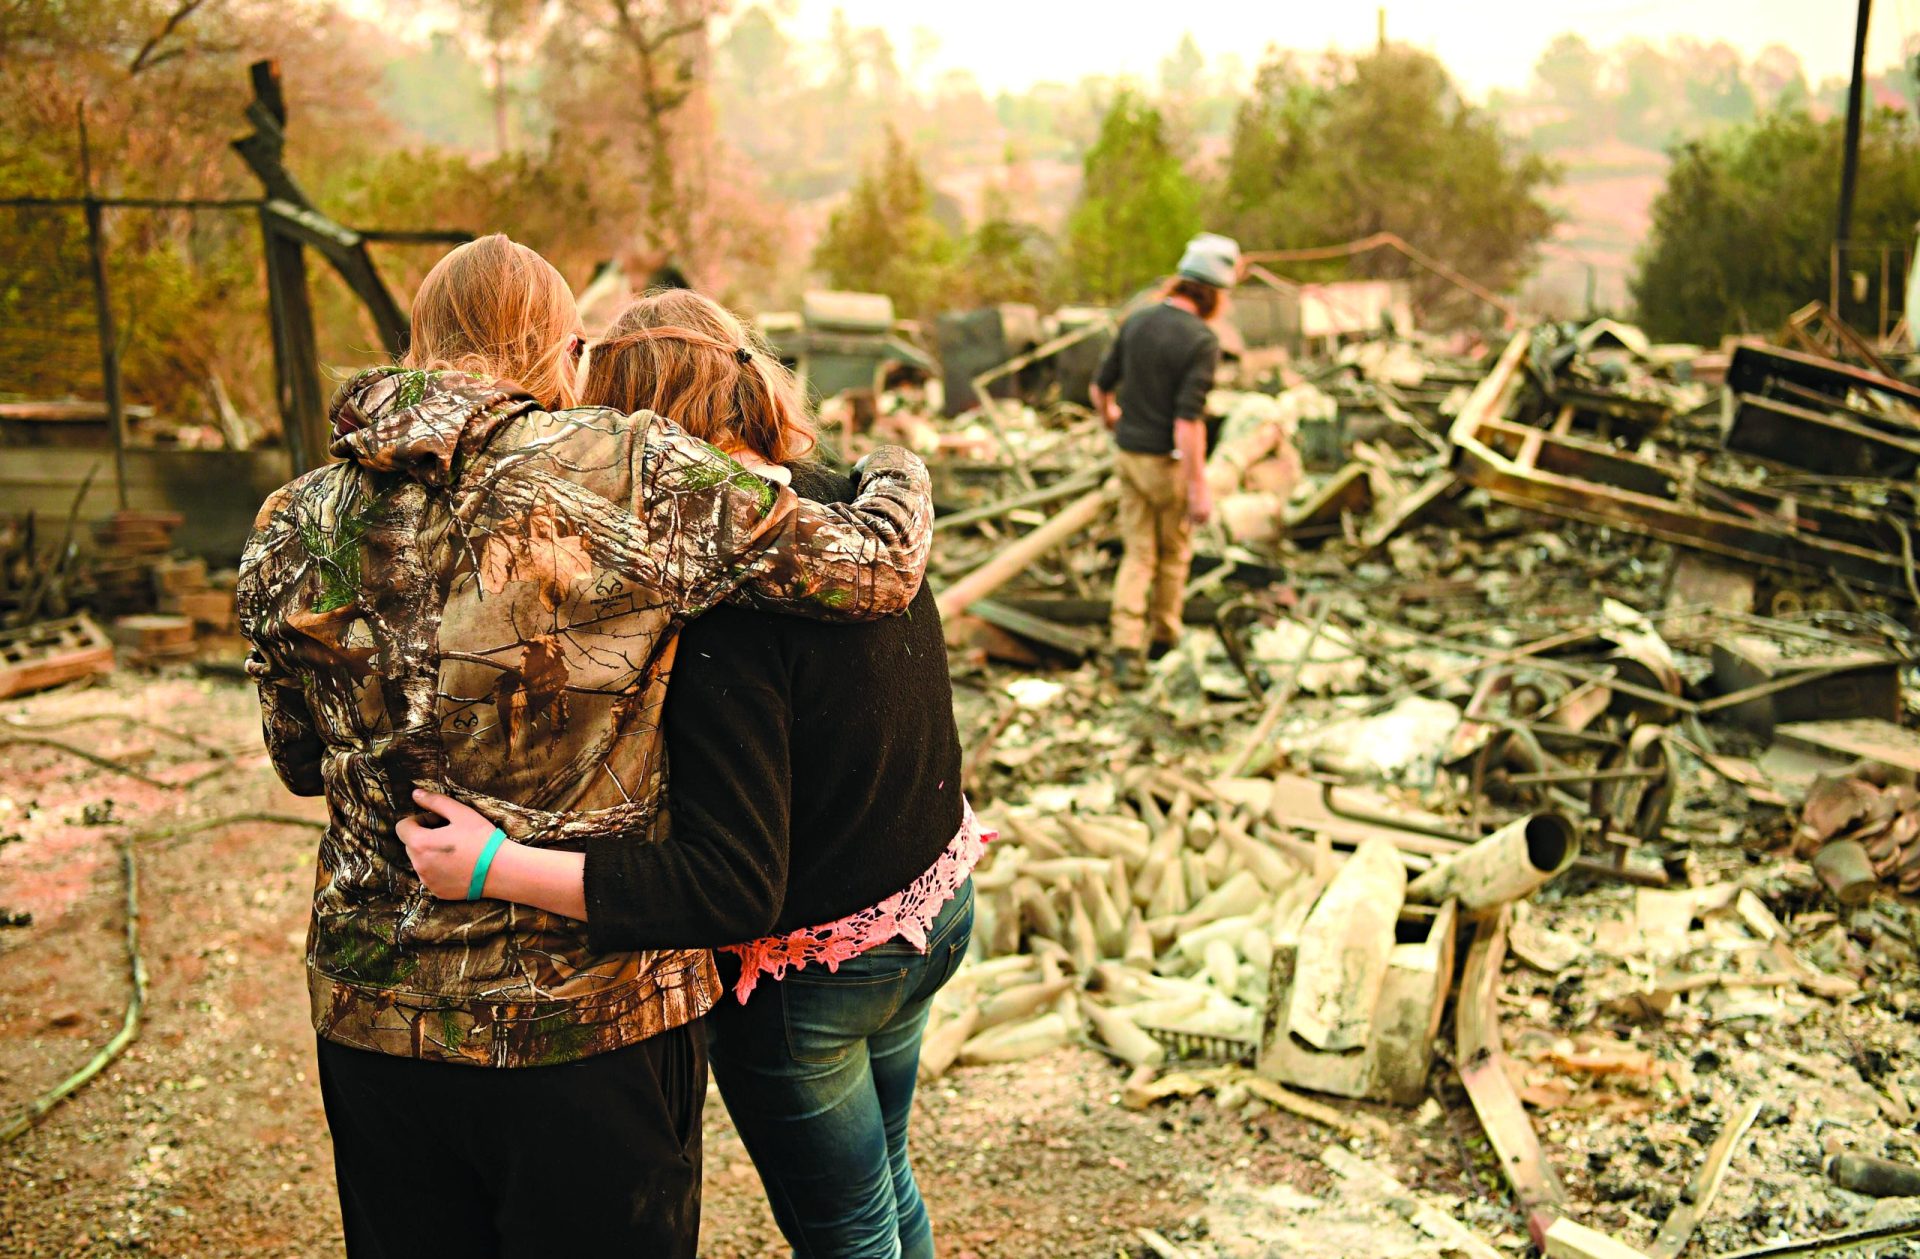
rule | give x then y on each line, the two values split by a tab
853	561
722	529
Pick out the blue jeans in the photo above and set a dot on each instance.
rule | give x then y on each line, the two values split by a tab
818	1071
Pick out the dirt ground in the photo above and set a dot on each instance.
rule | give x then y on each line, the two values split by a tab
206	1138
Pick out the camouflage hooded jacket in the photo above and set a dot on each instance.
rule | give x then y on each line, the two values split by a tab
484	598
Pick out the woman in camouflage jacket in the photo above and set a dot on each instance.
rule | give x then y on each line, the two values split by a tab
482	598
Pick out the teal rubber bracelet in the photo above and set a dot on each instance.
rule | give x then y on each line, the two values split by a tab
478	883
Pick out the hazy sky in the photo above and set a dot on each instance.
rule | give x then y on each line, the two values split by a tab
1486	43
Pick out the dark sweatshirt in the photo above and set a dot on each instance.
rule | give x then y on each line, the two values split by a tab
1163	362
813	771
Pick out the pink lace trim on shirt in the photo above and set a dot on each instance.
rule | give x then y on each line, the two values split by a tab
908	913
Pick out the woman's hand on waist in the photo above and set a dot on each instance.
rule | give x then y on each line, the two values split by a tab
447	841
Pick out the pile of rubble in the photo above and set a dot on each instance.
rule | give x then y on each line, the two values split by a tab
1557	662
1860	829
158	607
1549	652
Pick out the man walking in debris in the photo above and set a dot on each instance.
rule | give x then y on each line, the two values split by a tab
1152	390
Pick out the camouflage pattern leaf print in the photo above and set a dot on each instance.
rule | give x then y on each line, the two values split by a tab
483	598
535	550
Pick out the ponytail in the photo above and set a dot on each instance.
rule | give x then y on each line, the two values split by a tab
690	359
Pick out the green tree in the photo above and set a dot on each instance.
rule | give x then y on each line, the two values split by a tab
1568	72
1274	146
1779	80
1137	205
1715	81
1742	229
1383	143
439	94
1182	70
884	238
1006	259
1651	97
502	27
757	49
628	78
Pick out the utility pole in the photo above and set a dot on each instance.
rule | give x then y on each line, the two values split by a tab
1850	166
1383	27
103	311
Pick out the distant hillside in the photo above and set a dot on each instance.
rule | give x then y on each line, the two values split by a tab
1608	115
1605	197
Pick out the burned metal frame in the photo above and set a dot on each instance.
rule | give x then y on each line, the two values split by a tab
1820	330
289	223
1754	367
1385	240
1838	443
1586	480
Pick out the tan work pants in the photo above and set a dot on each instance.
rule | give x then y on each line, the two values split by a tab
1148	591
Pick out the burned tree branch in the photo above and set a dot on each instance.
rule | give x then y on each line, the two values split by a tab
146	58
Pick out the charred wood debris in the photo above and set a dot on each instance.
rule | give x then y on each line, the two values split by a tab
1536	780
115	591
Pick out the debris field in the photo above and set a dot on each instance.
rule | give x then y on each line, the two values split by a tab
1515	856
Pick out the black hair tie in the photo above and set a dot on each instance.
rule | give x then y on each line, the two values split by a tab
744	355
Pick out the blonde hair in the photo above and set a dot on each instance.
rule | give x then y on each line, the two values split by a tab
495	308
694	361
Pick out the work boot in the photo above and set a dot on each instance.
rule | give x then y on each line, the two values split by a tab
1129	670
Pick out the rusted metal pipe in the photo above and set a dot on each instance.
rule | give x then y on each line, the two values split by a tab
1511	863
1875	1177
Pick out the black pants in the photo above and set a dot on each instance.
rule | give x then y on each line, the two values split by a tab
589	1158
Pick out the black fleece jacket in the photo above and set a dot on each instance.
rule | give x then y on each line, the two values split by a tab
813	770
